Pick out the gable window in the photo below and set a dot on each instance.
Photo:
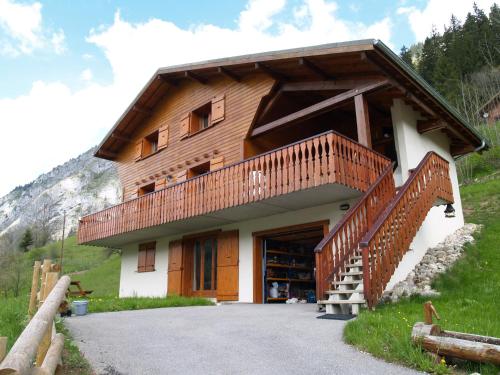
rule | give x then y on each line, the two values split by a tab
203	117
146	257
152	143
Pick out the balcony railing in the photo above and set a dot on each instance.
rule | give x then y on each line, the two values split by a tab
323	159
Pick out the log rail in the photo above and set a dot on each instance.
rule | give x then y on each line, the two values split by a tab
322	159
390	236
39	340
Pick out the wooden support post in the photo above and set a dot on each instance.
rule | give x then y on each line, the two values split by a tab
53	357
429	310
34	288
363	120
50	282
3	348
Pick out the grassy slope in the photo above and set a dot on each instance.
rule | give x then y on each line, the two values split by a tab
469	295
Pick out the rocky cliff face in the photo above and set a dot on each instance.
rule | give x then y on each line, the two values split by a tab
80	186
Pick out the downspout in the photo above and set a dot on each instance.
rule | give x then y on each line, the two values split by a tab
477	149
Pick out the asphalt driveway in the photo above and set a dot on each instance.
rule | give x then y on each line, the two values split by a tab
227	339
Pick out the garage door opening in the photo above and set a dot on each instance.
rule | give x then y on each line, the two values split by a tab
285	264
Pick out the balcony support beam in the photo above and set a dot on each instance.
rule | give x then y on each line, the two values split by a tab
363	120
319	108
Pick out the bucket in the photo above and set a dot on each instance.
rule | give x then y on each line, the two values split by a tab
80	307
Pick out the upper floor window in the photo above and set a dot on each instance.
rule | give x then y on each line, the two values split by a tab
152	143
203	117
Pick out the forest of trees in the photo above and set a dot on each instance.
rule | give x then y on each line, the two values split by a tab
463	64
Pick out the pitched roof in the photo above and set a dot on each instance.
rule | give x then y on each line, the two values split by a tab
335	59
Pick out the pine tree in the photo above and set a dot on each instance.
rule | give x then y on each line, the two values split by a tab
26	240
406	55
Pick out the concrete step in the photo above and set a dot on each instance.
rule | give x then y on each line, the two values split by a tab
342	302
357	264
352	273
346	291
350	282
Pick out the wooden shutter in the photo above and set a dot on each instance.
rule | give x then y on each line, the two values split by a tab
138	149
150	256
134	194
181	176
160	184
141	259
175	268
227	266
218	109
216	163
185	125
163	137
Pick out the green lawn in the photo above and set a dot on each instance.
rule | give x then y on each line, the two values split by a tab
469	301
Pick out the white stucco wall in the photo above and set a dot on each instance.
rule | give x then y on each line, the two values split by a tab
411	148
148	284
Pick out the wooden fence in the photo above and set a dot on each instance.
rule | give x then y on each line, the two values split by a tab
39	342
390	236
322	159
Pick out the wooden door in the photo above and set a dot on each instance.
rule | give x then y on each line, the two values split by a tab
175	268
227	266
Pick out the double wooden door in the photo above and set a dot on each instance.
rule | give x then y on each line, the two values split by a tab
205	266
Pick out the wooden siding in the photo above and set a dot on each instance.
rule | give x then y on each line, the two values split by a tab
323	159
225	138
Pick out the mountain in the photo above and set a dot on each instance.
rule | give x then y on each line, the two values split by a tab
81	185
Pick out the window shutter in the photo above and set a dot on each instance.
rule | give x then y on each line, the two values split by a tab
185	125
150	256
216	163
160	184
181	176
163	137
175	269
218	109
141	261
138	149
227	266
134	194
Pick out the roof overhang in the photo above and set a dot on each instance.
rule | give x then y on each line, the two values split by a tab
370	57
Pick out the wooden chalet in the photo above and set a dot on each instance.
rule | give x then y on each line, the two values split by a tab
305	173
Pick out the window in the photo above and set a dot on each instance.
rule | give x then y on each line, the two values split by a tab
152	143
146	189
199	170
203	117
146	257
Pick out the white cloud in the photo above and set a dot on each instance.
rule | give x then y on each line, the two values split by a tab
437	13
86	75
60	123
22	32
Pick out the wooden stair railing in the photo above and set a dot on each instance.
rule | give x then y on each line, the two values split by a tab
390	236
322	159
341	243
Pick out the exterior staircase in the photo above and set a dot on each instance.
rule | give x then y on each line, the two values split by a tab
356	259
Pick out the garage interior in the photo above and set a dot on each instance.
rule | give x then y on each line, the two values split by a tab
288	265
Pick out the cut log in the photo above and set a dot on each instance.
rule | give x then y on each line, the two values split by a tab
3	347
34	288
468	347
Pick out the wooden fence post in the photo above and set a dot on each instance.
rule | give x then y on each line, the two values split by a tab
45	268
50	281
34	288
3	348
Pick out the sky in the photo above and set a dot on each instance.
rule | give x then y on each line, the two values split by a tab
68	69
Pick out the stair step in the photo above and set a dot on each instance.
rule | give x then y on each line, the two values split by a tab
357	264
342	302
350	282
355	273
346	291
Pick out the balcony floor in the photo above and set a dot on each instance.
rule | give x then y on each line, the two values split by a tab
311	197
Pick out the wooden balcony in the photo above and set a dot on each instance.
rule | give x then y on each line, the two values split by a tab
328	159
